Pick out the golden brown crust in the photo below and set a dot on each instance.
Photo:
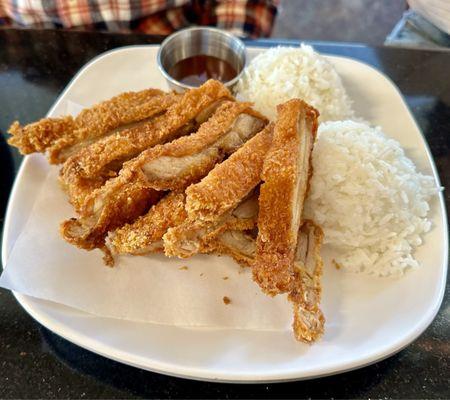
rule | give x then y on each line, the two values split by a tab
93	165
122	199
126	143
210	131
285	175
79	188
145	234
229	182
210	203
99	161
91	122
130	142
194	155
101	214
109	117
38	136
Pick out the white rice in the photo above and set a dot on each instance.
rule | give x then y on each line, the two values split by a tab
369	199
282	73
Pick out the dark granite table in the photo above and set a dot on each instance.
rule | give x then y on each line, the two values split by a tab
34	67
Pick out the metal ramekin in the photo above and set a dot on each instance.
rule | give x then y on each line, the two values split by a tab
200	41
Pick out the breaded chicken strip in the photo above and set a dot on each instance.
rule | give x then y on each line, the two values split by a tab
58	135
93	165
211	202
145	234
286	174
194	236
305	296
188	159
231	181
172	166
182	117
156	107
103	213
308	324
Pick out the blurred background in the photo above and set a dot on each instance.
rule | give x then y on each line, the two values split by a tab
366	21
416	23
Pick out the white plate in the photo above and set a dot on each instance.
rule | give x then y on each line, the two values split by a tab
367	319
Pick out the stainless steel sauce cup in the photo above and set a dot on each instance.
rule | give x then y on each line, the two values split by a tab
200	41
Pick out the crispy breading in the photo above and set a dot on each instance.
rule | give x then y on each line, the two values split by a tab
55	134
305	296
286	173
38	136
88	149
106	156
92	166
130	142
188	159
107	208
145	234
112	205
175	165
229	182
210	204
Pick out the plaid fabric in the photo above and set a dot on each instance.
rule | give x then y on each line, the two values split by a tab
253	18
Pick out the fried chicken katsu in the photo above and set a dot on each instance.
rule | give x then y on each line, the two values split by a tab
145	234
172	166
193	173
61	137
92	166
211	202
286	173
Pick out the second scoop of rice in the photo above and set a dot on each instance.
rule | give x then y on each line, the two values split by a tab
369	199
282	73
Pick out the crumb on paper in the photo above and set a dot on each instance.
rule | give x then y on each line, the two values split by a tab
226	300
225	278
183	268
336	264
201	274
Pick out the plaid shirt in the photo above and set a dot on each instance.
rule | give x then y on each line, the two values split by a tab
253	18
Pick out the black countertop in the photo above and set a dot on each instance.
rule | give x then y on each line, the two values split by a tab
34	68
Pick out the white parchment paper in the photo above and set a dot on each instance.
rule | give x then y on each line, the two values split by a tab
153	288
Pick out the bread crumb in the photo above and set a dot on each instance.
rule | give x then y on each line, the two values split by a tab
226	300
225	278
336	264
183	268
201	274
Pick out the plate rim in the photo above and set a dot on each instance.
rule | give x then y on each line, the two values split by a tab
196	373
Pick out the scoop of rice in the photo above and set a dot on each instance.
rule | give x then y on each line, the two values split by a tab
282	73
369	199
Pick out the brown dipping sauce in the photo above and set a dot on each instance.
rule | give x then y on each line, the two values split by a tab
196	70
